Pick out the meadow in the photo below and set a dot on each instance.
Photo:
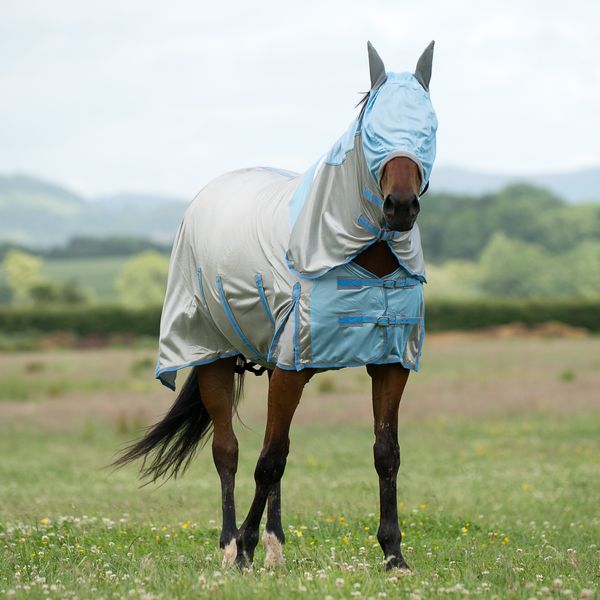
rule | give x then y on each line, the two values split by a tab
499	486
96	275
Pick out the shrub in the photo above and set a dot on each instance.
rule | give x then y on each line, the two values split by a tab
439	316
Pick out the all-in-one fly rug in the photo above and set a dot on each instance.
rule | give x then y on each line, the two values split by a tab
296	274
262	265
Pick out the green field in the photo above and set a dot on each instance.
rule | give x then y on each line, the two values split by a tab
498	489
96	275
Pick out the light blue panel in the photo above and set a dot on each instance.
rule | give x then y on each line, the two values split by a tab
332	343
337	154
407	302
300	193
357	318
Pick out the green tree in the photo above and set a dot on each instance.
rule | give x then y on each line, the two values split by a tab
511	268
68	292
23	273
583	266
143	279
454	279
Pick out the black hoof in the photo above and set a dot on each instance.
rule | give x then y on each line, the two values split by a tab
397	562
244	558
243	561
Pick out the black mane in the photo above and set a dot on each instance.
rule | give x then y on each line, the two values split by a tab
363	104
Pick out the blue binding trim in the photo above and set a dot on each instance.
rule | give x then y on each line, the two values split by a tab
314	365
418	359
200	284
232	320
196	363
382	234
371	197
277	335
295	296
381	321
348	282
263	298
282	172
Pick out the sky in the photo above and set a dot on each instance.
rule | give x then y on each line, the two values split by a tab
160	97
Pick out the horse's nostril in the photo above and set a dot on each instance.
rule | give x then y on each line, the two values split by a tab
389	206
415	208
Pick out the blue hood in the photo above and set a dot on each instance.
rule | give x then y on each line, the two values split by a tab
399	120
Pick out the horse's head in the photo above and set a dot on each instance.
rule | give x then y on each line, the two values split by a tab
398	126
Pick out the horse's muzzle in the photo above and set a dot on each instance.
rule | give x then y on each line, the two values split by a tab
401	214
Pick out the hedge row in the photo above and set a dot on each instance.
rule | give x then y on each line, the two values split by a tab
461	315
440	316
81	320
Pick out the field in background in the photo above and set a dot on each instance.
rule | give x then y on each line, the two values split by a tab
499	488
97	275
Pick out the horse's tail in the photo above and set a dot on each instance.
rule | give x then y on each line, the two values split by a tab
174	440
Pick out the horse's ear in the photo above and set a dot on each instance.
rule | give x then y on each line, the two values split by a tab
423	70
376	68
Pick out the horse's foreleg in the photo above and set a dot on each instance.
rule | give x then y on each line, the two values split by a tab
388	383
285	390
216	389
273	536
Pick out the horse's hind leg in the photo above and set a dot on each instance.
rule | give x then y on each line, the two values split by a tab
215	381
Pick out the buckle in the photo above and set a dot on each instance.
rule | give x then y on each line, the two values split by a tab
389	283
383	321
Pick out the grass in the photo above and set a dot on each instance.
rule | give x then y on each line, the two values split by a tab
491	503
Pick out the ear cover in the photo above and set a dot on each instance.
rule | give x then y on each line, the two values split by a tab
376	68
423	70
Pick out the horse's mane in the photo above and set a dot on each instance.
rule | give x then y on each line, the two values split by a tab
363	104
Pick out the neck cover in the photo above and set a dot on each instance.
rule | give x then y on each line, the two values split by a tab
336	211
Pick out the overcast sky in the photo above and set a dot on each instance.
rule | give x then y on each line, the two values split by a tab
162	96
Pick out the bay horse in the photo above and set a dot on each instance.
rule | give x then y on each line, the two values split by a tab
296	274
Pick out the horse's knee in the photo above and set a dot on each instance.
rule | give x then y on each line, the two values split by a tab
271	465
386	452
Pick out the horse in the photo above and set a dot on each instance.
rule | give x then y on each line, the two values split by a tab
297	274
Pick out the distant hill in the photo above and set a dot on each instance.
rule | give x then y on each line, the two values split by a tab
573	186
37	213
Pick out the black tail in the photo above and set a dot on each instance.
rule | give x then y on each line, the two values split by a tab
174	440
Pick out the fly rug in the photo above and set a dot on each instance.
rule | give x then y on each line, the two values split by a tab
295	274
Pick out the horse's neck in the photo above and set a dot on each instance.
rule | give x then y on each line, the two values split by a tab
378	259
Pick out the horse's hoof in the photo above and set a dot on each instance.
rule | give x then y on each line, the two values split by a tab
243	563
273	550
243	559
229	554
398	564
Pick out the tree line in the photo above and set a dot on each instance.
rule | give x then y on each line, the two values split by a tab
521	242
